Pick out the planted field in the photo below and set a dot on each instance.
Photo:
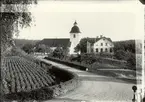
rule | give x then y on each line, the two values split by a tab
22	75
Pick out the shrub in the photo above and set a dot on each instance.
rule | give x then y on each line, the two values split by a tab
28	48
120	54
106	55
58	52
131	60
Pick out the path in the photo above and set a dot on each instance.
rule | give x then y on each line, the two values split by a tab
95	88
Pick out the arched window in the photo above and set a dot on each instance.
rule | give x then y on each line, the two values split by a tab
101	49
74	36
110	49
96	49
106	50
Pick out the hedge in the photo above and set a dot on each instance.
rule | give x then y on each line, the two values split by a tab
84	66
75	65
70	82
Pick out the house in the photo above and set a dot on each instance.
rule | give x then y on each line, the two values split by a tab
67	43
103	44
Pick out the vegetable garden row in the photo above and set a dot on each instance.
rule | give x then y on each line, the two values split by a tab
22	75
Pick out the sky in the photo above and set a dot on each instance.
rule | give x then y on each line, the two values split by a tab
117	20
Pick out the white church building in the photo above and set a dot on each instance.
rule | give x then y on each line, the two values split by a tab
69	43
74	37
102	44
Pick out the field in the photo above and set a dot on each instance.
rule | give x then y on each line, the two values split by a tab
22	75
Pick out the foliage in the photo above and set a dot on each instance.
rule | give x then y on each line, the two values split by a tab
82	46
11	17
21	42
18	1
128	45
131	60
28	48
42	48
58	52
120	54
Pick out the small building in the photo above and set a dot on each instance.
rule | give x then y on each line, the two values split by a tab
103	44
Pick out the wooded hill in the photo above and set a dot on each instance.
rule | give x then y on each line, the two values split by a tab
21	42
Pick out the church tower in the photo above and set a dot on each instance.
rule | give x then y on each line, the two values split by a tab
74	37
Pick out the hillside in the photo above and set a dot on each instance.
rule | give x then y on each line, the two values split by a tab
21	42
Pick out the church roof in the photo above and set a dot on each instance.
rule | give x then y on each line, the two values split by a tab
62	42
75	28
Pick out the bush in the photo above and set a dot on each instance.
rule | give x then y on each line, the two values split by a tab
58	52
106	55
131	60
120	55
28	48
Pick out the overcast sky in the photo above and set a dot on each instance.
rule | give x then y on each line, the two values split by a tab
117	20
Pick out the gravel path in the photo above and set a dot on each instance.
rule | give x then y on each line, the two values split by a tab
95	88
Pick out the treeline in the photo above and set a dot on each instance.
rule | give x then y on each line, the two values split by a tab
21	42
127	46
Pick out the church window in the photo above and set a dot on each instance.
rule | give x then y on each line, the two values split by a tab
74	35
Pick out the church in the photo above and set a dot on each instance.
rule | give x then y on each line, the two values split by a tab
101	44
69	43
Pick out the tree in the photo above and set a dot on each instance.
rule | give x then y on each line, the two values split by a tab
128	45
131	60
13	12
120	54
82	46
43	48
28	48
58	52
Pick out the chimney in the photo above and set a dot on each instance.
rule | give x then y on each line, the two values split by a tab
97	37
101	36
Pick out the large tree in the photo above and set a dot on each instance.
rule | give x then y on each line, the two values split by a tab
82	46
43	48
127	45
13	13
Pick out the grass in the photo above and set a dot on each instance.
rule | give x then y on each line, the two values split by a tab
117	73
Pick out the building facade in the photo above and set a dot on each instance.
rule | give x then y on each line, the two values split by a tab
103	45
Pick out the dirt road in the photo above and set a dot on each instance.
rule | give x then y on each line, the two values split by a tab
95	88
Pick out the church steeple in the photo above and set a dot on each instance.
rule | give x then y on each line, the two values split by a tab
74	37
75	23
75	28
